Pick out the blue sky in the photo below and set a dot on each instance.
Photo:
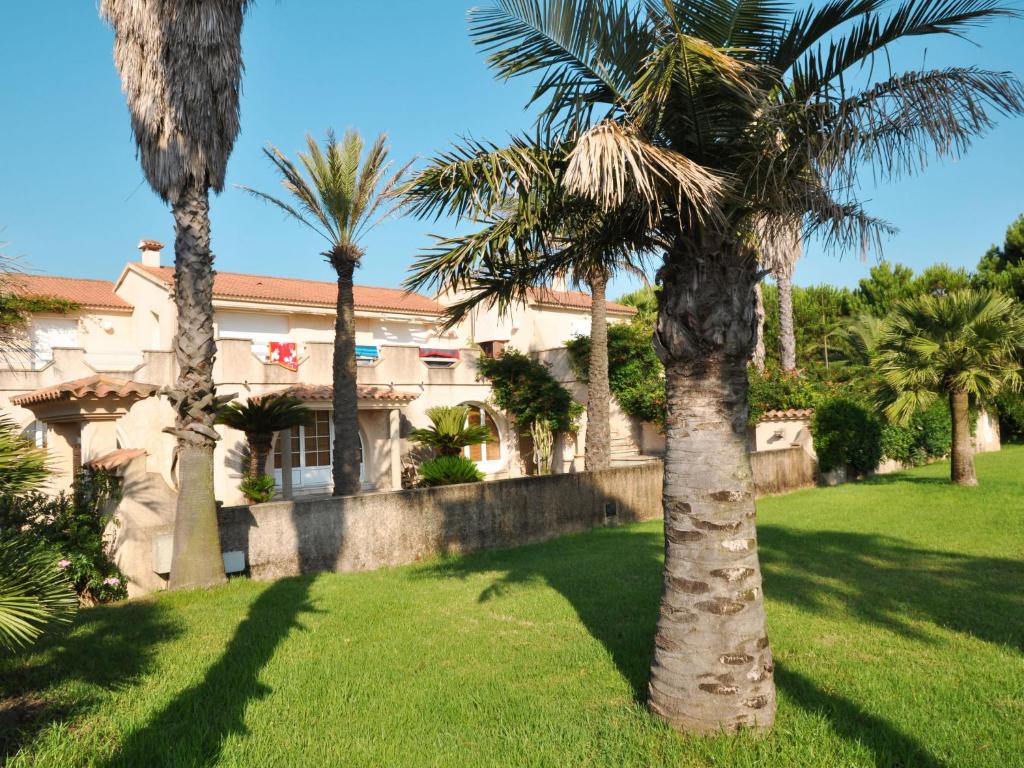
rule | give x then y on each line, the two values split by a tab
73	200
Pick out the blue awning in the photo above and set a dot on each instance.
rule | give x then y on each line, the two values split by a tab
367	352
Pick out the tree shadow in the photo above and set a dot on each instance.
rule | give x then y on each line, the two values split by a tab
612	578
888	582
850	721
108	647
193	727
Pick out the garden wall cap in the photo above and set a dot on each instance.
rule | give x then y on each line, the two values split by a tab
325	392
111	461
789	414
97	386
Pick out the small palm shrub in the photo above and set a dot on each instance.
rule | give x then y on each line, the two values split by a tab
34	592
258	489
259	418
449	470
450	431
846	435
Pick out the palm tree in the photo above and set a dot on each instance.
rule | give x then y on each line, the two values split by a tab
23	466
260	419
339	198
181	67
713	118
34	593
960	346
449	431
536	233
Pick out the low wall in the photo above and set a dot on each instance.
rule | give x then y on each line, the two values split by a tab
783	470
359	533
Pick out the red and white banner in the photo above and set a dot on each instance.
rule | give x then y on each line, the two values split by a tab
283	353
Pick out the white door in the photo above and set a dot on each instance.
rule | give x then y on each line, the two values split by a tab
50	332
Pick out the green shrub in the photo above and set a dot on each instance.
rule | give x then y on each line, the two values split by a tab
72	526
525	389
1009	407
449	470
775	389
635	373
846	434
258	490
929	435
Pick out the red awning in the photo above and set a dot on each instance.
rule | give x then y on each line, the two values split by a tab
434	352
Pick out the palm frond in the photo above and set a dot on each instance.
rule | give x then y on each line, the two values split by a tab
587	51
613	166
33	593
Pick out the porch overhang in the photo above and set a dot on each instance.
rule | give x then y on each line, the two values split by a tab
93	398
370	397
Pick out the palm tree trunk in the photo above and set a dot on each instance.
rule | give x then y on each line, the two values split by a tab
962	458
787	336
345	458
759	356
712	668
196	559
259	451
597	450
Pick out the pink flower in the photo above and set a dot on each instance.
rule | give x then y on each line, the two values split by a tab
112	581
63	564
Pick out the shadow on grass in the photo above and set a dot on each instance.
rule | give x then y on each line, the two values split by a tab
886	581
612	578
192	729
889	746
107	647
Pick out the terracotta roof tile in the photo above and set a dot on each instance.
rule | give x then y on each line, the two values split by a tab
115	459
289	290
90	294
790	414
573	300
325	392
91	386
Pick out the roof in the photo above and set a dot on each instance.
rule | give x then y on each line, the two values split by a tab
324	392
90	294
115	459
317	293
91	386
790	414
572	300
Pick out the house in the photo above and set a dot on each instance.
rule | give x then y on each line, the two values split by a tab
89	388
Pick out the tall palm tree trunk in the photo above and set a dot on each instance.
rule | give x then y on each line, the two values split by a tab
760	355
962	458
787	334
597	451
345	457
196	560
712	665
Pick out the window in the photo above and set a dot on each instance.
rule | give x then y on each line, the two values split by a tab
489	452
492	348
311	444
434	357
367	355
50	332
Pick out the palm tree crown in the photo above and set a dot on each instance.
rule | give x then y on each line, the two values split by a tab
338	192
965	341
450	430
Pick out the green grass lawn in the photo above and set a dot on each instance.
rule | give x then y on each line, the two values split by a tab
896	612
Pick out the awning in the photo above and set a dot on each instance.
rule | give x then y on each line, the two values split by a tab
436	353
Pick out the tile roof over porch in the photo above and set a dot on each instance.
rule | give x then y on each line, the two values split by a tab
325	392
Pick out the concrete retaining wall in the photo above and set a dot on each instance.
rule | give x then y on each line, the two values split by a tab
783	470
360	533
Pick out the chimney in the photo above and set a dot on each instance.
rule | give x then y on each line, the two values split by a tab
150	250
